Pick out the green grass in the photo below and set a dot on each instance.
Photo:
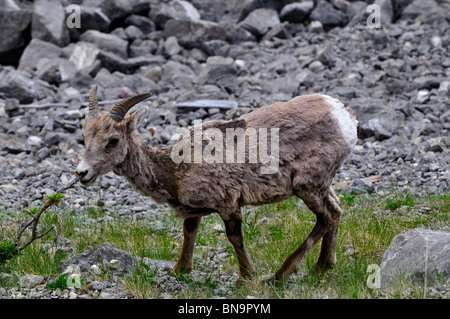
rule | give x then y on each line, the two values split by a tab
272	233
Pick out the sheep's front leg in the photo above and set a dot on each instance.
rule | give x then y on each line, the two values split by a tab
190	230
233	228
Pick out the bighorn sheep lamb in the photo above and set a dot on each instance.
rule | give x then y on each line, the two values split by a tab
316	134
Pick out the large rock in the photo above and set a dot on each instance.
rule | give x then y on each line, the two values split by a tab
220	71
14	21
101	255
429	9
112	62
192	34
93	19
417	254
115	9
19	85
108	42
296	12
259	21
328	16
84	55
232	10
49	22
30	281
14	144
55	70
386	10
143	23
36	50
175	9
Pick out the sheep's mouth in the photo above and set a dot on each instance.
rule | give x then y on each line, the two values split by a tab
88	181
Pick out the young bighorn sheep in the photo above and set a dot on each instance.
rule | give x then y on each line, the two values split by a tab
316	134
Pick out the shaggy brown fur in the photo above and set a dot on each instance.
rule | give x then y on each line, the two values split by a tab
312	148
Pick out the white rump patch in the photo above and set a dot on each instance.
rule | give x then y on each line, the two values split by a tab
347	123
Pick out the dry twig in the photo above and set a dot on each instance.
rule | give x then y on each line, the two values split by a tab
35	220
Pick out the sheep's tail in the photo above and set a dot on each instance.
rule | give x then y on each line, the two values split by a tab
353	113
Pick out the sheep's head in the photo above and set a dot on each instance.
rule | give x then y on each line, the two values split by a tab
106	135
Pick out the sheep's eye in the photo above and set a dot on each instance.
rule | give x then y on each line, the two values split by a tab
112	143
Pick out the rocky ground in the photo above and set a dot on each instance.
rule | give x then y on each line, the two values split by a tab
244	53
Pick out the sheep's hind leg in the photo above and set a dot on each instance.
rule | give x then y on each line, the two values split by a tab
233	228
327	257
325	220
190	230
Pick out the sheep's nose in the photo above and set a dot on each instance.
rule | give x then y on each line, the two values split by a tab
82	173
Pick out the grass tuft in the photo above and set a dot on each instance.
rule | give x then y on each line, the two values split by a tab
272	233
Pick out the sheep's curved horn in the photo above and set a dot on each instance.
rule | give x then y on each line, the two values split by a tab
93	103
121	108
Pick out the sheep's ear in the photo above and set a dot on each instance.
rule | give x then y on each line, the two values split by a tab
136	119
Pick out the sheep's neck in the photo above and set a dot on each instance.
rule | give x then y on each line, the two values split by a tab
149	170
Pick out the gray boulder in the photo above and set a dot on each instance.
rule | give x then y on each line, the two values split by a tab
93	19
328	16
19	85
14	20
259	21
143	23
84	55
102	255
175	9
30	281
55	70
296	12
36	50
232	10
49	22
192	34
429	9
417	254
115	9
107	42
220	71
386	10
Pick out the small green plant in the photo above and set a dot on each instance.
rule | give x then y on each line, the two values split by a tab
250	224
408	200
348	199
54	199
276	232
7	251
60	283
33	210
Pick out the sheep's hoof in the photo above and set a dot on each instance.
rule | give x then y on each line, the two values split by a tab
321	268
179	270
269	279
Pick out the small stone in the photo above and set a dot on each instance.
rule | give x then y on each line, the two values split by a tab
95	270
34	140
30	281
165	296
105	295
316	26
423	96
316	66
171	46
73	295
